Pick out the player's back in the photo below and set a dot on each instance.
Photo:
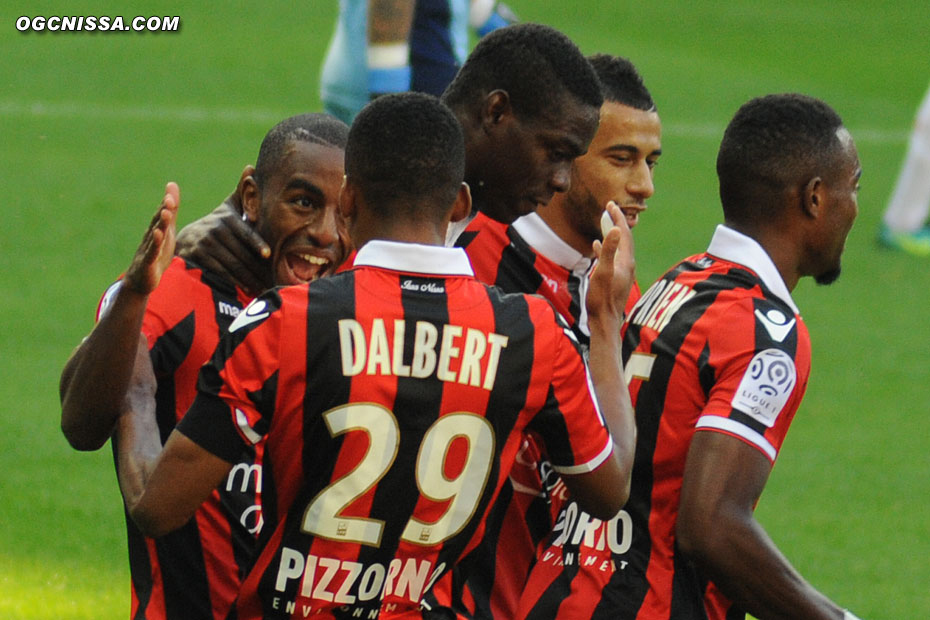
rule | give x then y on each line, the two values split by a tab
398	409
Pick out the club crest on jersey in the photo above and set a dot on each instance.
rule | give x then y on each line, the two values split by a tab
255	311
766	386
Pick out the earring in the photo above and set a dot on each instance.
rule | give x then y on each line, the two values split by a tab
245	217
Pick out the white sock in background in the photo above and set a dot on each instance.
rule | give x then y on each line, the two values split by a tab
910	200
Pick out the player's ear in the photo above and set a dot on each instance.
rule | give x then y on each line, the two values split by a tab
496	109
812	197
348	194
461	208
240	187
249	194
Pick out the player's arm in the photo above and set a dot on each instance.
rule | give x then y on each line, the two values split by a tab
388	50
137	437
225	244
610	286
96	377
182	478
723	480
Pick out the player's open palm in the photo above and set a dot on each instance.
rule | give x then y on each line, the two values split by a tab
157	247
613	275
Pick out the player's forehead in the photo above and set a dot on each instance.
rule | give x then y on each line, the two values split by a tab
846	164
621	124
565	121
300	159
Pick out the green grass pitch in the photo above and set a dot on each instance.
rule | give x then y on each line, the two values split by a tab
92	125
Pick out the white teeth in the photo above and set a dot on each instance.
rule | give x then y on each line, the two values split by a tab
314	260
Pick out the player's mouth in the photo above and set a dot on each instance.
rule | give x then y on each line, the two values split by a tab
303	267
631	213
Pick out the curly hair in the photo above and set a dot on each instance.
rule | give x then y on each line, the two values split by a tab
621	82
406	153
535	64
774	143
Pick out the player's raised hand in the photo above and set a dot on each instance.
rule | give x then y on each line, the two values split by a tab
612	278
157	247
222	242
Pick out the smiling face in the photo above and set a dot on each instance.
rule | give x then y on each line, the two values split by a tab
295	211
618	166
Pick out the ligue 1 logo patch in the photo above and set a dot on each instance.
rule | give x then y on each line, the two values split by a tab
766	386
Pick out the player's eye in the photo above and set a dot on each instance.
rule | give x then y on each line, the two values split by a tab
305	202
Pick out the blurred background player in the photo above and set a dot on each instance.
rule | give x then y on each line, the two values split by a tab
904	223
718	360
155	331
391	46
550	253
354	508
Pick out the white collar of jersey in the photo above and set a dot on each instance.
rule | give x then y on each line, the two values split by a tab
543	239
414	258
736	247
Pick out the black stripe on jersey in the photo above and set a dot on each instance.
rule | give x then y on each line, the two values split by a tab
516	271
167	355
466	237
171	349
688	587
764	339
738	416
707	374
186	595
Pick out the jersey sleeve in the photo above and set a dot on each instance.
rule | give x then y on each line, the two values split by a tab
236	389
761	366
168	323
570	422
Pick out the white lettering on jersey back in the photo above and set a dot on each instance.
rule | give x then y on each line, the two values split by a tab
776	324
477	352
766	386
255	311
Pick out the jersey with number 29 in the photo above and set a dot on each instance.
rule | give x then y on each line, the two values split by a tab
393	397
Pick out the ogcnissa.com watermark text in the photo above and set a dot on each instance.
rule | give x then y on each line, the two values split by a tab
97	23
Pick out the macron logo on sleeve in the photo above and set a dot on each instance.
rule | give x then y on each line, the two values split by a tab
776	324
254	312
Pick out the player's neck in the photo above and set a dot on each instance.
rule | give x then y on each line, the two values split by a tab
402	232
554	216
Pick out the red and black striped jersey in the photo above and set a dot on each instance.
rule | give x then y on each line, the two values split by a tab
525	257
500	255
196	571
715	345
394	397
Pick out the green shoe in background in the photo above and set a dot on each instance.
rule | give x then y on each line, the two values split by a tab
915	243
